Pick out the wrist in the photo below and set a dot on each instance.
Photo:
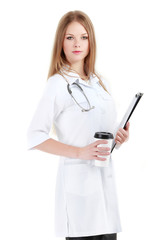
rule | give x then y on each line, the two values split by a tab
78	152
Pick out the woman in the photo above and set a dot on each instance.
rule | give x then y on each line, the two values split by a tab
85	200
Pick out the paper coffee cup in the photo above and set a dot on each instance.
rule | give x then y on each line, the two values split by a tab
106	136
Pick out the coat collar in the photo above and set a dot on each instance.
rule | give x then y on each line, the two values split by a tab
72	77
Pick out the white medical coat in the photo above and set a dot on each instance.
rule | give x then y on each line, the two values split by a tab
85	195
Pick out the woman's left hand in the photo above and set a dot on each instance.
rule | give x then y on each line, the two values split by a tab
122	134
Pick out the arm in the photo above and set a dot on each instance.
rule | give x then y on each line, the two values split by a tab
38	132
55	147
88	152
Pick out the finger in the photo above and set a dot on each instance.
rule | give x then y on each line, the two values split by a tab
98	158
103	148
120	136
103	153
122	133
98	142
119	140
127	126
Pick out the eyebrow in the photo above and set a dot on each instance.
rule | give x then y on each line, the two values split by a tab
73	34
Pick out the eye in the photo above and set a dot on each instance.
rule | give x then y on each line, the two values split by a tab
69	38
84	37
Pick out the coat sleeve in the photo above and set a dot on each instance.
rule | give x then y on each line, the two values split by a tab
44	116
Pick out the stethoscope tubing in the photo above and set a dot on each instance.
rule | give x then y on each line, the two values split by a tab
81	89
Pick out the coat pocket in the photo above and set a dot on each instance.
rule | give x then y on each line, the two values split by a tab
81	179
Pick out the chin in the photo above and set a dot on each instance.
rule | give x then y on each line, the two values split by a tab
77	60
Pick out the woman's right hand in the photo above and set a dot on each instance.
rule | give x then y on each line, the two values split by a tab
91	151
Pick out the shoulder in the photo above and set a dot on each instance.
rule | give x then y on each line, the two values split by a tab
106	83
56	80
54	84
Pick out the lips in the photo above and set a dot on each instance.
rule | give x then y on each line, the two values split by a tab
77	52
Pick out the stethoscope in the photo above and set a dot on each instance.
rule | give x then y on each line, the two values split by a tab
70	92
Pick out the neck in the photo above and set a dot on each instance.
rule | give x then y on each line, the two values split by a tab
79	68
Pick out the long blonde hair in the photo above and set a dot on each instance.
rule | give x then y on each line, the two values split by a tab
58	59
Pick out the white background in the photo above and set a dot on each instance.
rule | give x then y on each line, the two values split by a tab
128	56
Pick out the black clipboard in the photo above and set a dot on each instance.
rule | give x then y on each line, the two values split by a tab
128	114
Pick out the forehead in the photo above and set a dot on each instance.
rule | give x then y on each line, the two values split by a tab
75	28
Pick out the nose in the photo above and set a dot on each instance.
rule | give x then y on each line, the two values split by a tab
76	43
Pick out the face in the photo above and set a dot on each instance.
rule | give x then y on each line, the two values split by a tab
76	43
